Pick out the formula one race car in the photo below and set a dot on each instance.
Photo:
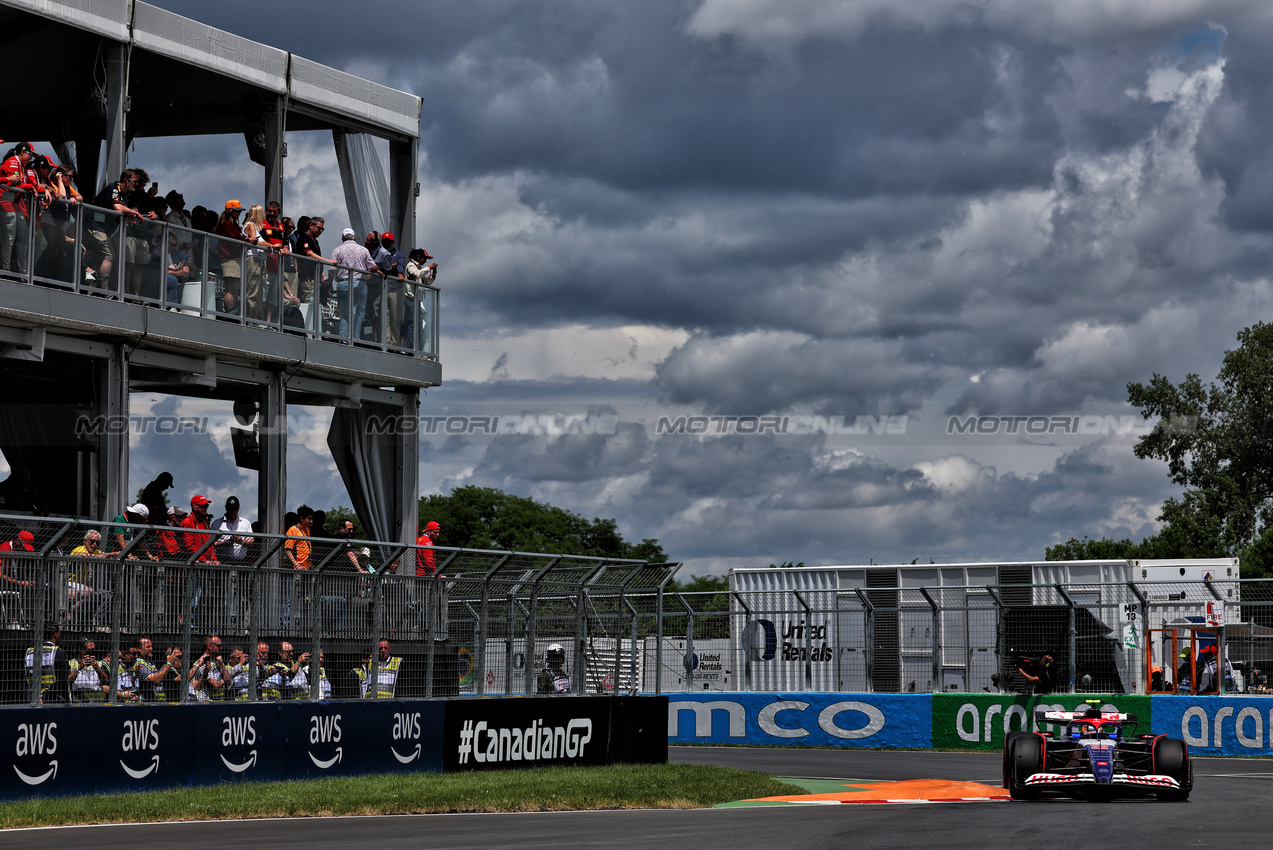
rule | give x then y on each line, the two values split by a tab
1098	756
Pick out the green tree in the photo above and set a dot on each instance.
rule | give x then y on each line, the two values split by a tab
1217	441
486	518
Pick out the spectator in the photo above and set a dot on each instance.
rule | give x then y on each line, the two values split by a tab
126	683
386	674
137	514
297	547
208	675
275	234
58	261
375	289
1037	673
80	592
273	677
15	572
150	679
424	563
90	677
138	232
99	234
351	284
14	224
55	669
240	672
1184	673
393	265
420	270
229	232
154	496
203	590
553	679
178	269
307	247
236	552
177	215
255	257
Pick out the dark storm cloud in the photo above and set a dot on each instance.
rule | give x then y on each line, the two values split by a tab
1003	207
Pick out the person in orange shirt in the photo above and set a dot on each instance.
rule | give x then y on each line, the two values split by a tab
297	550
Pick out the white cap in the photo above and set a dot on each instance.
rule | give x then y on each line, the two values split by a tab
141	510
348	233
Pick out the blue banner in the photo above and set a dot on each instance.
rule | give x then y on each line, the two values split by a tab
840	720
86	749
1217	726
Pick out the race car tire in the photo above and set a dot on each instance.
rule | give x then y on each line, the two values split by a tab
1171	758
1024	757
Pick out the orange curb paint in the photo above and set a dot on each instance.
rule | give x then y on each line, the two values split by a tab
918	790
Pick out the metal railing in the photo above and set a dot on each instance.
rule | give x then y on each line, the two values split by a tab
93	251
179	615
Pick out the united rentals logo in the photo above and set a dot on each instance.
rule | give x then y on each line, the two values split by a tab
537	742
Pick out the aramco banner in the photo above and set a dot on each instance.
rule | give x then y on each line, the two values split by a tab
982	721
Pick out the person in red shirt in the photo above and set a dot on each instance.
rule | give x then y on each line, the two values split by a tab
203	579
424	563
18	181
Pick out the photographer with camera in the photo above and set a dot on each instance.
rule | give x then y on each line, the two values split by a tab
1037	673
209	674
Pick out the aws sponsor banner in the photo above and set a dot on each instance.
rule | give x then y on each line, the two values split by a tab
982	721
495	734
802	719
84	749
1217	726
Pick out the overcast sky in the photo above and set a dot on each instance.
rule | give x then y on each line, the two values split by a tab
744	208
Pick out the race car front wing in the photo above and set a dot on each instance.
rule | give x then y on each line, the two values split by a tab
1062	781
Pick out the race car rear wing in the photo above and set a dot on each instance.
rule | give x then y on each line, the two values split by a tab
1044	714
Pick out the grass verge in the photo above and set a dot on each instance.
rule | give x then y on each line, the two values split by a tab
670	786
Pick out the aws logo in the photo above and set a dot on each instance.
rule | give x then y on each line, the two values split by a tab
325	730
406	727
239	732
141	736
37	739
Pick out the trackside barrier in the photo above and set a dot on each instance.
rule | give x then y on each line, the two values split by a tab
982	721
813	720
1217	726
69	750
1212	726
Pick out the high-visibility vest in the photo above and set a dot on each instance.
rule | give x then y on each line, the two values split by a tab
386	680
47	654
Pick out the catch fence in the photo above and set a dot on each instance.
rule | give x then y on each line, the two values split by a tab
158	613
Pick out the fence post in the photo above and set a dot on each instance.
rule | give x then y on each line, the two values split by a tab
869	628
1073	631
1142	669
688	660
116	587
937	685
746	649
808	640
658	646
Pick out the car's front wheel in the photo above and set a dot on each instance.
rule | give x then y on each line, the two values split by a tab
1022	757
1171	758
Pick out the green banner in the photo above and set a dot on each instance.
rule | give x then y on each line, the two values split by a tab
981	721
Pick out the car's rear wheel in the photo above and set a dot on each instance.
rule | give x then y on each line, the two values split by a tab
1023	756
1171	758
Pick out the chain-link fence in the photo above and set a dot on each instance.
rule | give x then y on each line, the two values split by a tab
156	613
135	612
1131	637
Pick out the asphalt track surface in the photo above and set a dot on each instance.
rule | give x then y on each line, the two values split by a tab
1229	808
